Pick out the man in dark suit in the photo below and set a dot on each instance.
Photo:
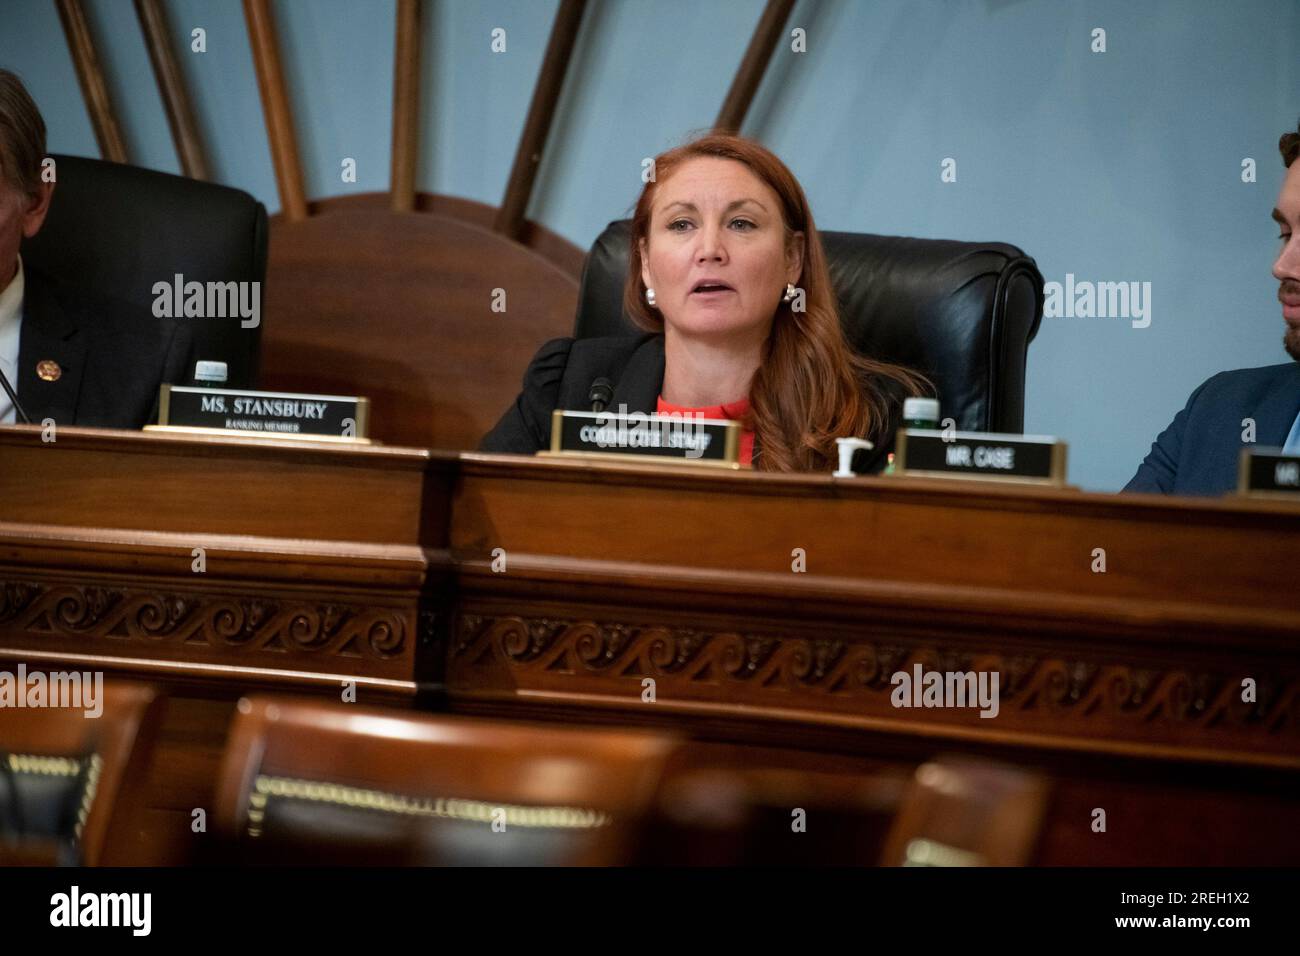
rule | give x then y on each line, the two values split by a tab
1198	453
72	359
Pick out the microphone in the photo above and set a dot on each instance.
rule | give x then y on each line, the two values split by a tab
602	392
13	397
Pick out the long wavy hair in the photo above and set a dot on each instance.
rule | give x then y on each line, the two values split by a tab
811	386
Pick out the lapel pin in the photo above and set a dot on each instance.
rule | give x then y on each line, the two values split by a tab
48	370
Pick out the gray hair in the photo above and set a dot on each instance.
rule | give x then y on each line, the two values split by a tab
22	136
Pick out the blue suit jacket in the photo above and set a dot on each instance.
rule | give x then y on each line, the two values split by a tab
1198	453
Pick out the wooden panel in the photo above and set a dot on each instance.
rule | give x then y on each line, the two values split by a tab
318	571
1124	687
168	482
688	580
400	308
551	246
314	563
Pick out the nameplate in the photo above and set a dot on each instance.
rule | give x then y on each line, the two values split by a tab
662	438
274	414
1038	459
1270	472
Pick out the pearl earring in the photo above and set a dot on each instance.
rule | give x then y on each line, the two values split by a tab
789	292
650	297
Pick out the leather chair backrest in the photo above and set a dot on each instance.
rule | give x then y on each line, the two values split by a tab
308	780
68	781
963	313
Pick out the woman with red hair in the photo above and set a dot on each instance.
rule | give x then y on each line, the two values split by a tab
729	281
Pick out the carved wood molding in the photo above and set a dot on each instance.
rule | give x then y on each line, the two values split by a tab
848	675
129	620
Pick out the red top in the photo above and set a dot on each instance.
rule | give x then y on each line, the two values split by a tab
734	411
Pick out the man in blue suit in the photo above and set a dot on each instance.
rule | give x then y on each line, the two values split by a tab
1198	453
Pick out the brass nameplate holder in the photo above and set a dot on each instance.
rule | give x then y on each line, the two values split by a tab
225	411
662	439
1268	473
985	456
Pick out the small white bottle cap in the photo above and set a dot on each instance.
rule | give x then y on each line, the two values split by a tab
214	372
921	409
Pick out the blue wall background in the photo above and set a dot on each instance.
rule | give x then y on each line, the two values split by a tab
1123	165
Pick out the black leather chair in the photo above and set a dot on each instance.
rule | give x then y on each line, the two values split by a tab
69	786
115	230
963	313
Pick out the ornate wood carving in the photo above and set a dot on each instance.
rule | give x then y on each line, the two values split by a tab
1038	692
193	621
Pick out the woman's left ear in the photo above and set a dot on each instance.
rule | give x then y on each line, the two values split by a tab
794	257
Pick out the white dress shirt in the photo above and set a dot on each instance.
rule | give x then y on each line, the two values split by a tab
11	320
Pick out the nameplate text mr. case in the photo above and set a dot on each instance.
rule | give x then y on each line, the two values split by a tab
1038	459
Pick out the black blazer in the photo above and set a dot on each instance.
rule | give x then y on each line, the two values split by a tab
112	357
561	373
